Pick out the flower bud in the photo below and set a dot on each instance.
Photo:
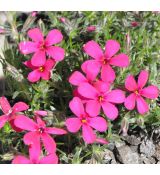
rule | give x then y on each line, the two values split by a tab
91	28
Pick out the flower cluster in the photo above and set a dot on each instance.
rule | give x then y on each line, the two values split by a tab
93	90
42	48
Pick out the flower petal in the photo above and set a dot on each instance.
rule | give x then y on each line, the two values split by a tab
93	49
3	120
116	96
29	65
98	123
46	75
76	106
57	131
49	143
73	124
34	76
20	106
88	91
88	135
35	34
91	68
120	60
77	78
14	127
39	58
108	74
25	123
111	48
21	160
150	92
110	110
101	140
32	139
54	37
57	53
142	106
50	63
27	47
102	86
41	113
49	159
93	107
4	104
142	78
130	101
130	83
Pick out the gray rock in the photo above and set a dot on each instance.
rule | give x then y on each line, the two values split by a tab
157	152
126	156
133	140
147	147
109	157
144	160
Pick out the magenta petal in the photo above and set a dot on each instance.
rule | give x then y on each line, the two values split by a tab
120	60
142	78
50	63
93	49
49	159
73	124
3	120
25	123
110	110
53	37
39	58
27	47
88	91
93	107
35	34
34	76
41	113
142	106
4	104
29	65
98	123
91	68
115	96
46	75
77	78
102	86
32	139
130	101
111	48
55	52
150	92
48	142
108	74
20	106
21	160
101	140
130	83
88	134
56	131
76	106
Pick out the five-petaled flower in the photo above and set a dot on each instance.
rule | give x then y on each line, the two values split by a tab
38	132
40	46
85	121
43	72
99	96
11	113
106	59
139	91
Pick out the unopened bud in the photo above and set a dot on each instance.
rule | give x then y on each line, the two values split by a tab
91	28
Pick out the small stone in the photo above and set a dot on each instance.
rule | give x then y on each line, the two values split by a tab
147	148
157	152
158	162
119	143
109	157
126	156
133	140
144	160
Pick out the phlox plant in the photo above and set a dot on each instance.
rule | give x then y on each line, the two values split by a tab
94	103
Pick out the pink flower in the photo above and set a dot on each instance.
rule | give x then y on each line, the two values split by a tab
106	59
139	91
62	19
91	28
134	24
38	131
11	113
101	96
85	121
2	31
40	46
34	14
43	72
